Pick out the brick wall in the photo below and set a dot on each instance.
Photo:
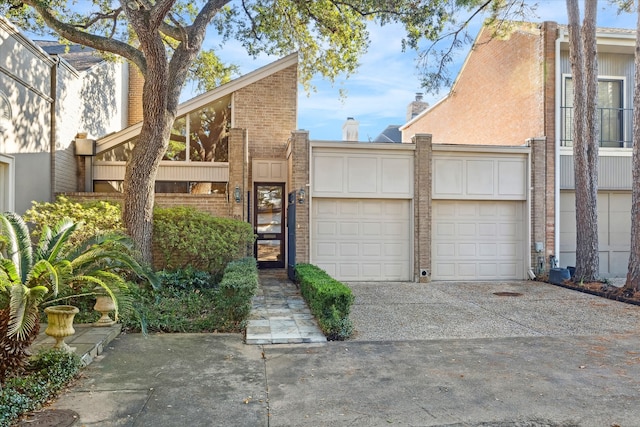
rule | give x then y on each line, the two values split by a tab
538	200
215	204
422	206
550	33
299	173
134	104
497	98
237	173
267	111
65	174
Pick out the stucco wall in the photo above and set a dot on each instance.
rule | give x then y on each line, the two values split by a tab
93	102
497	98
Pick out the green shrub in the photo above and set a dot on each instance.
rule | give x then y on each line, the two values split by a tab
329	300
97	217
184	237
46	374
237	288
187	279
190	301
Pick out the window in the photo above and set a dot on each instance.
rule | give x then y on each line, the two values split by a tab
612	116
200	136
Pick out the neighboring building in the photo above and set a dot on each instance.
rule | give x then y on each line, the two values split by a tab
390	134
48	95
416	107
517	91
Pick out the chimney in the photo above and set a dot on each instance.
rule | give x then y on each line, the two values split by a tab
350	129
134	102
416	107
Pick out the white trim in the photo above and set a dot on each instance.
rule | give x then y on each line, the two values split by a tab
602	152
8	193
14	32
482	148
363	145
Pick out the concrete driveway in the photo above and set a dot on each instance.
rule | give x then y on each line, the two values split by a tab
440	354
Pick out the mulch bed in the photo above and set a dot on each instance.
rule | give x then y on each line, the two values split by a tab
603	290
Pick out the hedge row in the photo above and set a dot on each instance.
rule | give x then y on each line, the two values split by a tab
237	288
182	236
329	300
185	237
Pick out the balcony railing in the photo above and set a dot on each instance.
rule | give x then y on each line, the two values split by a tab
615	127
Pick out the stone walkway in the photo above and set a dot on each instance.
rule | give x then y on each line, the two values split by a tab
279	314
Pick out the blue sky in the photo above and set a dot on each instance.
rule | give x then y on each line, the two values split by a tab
387	80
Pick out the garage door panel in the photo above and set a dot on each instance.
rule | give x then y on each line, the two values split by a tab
348	271
371	249
481	240
373	238
508	230
370	229
488	249
349	249
467	229
487	229
488	270
327	249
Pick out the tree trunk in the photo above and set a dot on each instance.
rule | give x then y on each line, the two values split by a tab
584	69
633	274
139	181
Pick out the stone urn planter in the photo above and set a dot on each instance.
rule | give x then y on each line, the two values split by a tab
104	305
60	324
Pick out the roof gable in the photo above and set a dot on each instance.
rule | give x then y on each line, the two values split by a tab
206	98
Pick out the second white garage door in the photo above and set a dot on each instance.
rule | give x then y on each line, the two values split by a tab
478	240
362	239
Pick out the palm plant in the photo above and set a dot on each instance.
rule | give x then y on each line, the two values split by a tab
35	275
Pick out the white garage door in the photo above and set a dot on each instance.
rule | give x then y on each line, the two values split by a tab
362	239
478	240
614	231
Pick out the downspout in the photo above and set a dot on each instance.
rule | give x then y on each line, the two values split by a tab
52	126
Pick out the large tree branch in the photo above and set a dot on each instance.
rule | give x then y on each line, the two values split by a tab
94	41
188	49
159	12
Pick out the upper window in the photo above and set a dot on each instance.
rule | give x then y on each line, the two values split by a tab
199	136
614	121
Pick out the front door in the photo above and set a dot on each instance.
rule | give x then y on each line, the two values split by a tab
269	225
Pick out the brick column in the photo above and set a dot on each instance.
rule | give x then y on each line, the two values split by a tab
238	169
299	173
422	177
550	34
538	200
134	100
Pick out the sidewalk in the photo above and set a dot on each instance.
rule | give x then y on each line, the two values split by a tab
279	314
443	354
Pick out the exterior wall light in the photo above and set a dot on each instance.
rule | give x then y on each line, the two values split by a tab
237	194
301	196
